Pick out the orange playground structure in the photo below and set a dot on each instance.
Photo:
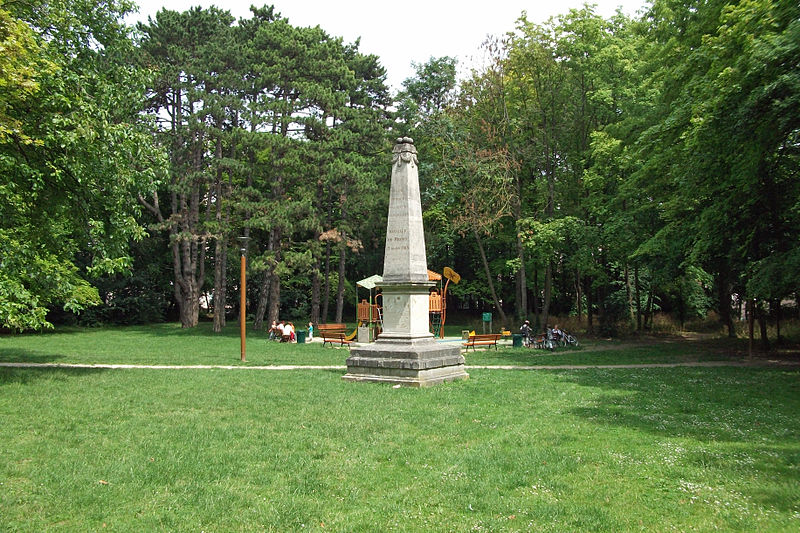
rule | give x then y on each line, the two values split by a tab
369	313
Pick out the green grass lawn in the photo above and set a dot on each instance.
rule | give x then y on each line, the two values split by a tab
168	344
551	450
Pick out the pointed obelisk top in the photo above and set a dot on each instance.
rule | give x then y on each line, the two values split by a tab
404	259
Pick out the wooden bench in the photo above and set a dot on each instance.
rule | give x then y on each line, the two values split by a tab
331	333
482	340
341	338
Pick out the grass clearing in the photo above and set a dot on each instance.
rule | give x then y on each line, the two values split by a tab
169	344
554	450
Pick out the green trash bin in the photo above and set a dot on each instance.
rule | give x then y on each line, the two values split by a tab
301	336
516	339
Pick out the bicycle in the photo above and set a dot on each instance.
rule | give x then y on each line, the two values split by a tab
567	339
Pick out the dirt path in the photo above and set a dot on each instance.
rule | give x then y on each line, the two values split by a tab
753	364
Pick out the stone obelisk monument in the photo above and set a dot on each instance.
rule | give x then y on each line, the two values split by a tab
406	352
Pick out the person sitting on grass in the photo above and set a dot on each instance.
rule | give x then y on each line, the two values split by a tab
273	331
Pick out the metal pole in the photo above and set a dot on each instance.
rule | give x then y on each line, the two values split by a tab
243	307
243	296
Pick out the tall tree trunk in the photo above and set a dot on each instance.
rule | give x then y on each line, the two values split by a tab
315	285
340	287
189	308
549	210
587	290
762	324
220	249
342	257
548	289
503	318
273	312
629	295
638	299
192	253
750	311
537	312
263	290
578	296
220	284
724	300
316	272
274	298
326	287
263	297
522	275
190	269
522	282
188	250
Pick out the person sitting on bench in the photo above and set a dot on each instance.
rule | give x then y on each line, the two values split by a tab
288	333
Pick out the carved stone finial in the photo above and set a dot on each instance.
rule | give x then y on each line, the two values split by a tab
404	151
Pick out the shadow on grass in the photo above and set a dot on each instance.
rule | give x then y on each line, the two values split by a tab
172	330
159	330
13	355
740	418
716	404
26	376
231	330
506	355
604	353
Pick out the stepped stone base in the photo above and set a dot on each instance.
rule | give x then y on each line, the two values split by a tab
407	362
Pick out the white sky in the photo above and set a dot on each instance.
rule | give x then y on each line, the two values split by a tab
400	32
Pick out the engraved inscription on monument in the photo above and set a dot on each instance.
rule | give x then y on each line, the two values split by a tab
404	258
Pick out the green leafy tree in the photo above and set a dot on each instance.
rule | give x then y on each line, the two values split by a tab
539	111
72	147
722	141
188	97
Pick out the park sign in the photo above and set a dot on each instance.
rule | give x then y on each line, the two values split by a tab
406	352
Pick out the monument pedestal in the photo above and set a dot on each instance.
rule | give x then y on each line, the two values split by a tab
406	353
413	363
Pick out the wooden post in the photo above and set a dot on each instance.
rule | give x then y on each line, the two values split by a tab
243	296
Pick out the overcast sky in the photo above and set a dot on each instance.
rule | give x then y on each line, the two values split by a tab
402	32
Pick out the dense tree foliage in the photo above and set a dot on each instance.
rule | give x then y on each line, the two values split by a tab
648	156
604	168
73	152
273	133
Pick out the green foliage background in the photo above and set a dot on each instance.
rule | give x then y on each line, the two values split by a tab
600	168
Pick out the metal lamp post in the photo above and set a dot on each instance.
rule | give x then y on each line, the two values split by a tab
243	294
